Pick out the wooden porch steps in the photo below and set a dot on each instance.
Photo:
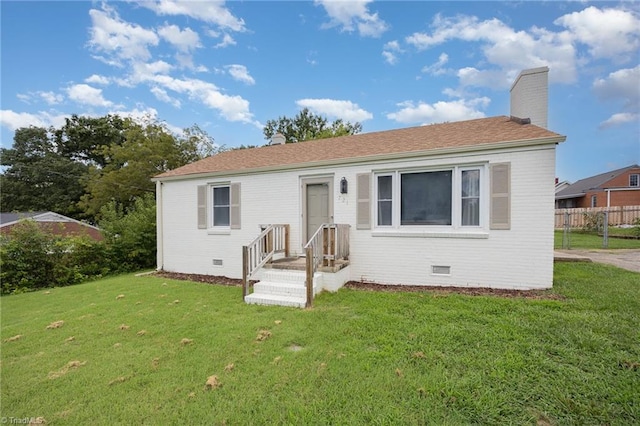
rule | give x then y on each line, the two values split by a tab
283	287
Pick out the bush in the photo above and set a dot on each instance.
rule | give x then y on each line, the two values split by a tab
33	258
593	222
130	235
27	258
636	227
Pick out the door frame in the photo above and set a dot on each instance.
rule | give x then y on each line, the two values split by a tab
304	182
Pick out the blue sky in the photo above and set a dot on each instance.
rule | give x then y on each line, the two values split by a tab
231	66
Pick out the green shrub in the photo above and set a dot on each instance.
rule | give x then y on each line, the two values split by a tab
593	222
32	258
28	256
130	235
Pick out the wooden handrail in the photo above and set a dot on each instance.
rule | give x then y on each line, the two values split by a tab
273	239
329	243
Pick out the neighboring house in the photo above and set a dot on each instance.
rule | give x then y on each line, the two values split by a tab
611	189
453	204
53	222
561	185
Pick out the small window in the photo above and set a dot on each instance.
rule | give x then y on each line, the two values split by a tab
594	201
221	206
634	180
385	200
470	198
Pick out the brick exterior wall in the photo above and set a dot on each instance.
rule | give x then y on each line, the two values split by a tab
63	228
529	96
618	197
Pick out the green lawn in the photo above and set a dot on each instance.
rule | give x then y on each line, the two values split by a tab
582	240
356	357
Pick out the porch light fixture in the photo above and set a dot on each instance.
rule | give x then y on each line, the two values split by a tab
343	185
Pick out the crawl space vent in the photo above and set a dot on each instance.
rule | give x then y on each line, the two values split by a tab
217	262
440	270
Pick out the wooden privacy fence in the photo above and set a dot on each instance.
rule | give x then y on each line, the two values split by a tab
620	215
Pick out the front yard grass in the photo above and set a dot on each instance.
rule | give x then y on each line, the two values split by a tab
356	357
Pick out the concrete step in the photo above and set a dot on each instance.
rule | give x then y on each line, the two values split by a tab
273	299
282	289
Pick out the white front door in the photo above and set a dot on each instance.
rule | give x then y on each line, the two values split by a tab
318	211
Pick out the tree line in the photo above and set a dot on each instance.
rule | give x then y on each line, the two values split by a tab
99	170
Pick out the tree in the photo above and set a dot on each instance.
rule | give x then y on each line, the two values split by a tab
148	150
307	126
130	234
38	177
87	139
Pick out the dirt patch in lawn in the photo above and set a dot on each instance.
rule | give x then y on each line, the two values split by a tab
467	291
207	279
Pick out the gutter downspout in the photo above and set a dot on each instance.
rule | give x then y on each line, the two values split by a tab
159	228
608	197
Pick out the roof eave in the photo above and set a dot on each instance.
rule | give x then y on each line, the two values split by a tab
372	158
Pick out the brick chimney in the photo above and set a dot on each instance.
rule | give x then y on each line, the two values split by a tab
530	96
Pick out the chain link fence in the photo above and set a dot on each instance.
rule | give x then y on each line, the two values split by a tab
599	221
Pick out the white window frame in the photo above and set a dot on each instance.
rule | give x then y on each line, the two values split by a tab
637	179
211	219
456	227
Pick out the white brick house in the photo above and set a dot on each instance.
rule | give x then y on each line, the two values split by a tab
467	203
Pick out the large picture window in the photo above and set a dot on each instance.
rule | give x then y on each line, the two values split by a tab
450	198
425	198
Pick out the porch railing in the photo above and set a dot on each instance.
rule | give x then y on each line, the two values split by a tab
328	244
273	239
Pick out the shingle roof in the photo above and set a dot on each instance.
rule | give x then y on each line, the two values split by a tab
580	187
14	217
455	135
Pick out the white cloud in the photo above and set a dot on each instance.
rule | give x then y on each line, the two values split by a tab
352	15
227	40
163	96
213	12
609	33
232	108
390	51
436	68
619	119
621	84
240	73
184	40
345	110
87	95
509	50
51	98
24	97
15	120
97	79
117	39
423	113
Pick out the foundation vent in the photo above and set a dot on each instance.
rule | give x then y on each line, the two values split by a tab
440	270
217	262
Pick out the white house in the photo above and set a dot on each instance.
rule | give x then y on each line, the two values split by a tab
468	204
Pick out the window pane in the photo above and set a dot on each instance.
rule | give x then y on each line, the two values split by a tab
384	187
221	206
471	183
221	216
384	213
221	196
385	203
470	212
425	198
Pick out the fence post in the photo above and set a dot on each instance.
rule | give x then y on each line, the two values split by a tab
565	233
605	230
